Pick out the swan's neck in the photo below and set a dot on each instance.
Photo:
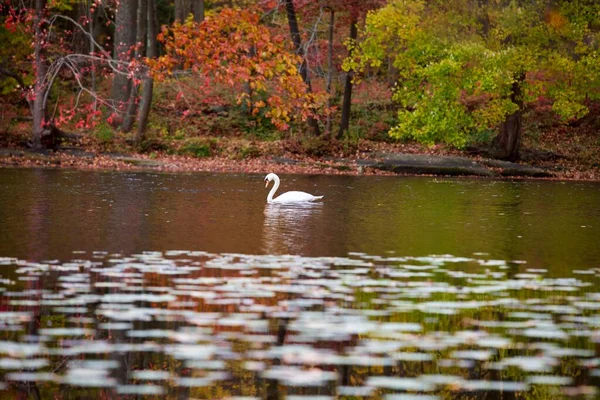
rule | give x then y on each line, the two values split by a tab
273	189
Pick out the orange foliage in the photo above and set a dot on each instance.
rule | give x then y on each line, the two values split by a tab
245	52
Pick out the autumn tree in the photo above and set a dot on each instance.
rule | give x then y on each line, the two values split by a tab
13	53
57	55
469	67
328	87
237	55
123	50
348	13
41	86
290	12
31	22
145	48
148	81
347	101
139	52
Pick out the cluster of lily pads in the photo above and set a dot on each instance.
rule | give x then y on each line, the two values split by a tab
201	325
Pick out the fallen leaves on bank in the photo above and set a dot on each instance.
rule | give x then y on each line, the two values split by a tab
273	158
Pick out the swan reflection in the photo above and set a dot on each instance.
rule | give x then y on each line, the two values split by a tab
287	227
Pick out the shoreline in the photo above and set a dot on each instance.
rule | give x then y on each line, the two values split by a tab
390	164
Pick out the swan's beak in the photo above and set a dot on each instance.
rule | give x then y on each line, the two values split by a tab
266	183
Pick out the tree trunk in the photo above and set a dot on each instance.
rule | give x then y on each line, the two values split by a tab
506	144
39	95
183	8
330	71
246	86
483	16
148	84
140	49
198	9
297	41
91	28
347	101
125	34
80	10
392	72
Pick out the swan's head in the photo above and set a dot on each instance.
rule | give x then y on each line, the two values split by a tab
269	178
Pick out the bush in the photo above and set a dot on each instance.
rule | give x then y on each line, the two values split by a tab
104	133
152	146
199	147
247	151
314	146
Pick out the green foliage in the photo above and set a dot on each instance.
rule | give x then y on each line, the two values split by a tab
179	134
315	146
15	50
199	147
457	62
388	31
197	150
257	126
62	5
104	133
159	128
247	151
372	122
262	132
152	145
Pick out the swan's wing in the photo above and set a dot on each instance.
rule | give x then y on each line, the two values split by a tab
295	196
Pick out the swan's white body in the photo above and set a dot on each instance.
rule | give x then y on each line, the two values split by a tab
287	197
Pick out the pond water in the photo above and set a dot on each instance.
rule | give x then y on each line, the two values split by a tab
134	285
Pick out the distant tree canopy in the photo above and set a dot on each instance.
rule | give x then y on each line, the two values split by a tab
461	70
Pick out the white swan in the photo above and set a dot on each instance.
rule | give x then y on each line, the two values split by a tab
287	197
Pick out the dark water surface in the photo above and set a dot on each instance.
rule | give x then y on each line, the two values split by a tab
48	214
138	285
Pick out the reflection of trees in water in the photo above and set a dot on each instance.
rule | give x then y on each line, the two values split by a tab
287	226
